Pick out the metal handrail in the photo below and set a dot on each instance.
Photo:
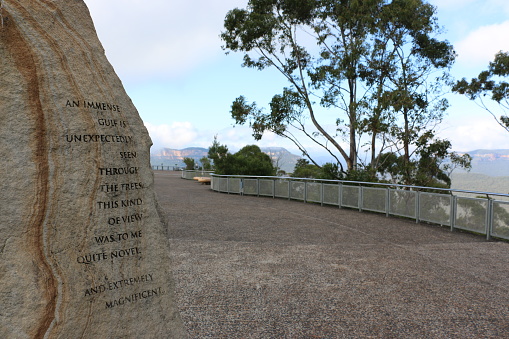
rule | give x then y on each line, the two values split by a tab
368	183
429	204
189	174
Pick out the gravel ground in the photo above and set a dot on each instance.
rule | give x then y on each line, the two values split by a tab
250	267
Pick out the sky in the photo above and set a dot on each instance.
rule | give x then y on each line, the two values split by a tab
168	55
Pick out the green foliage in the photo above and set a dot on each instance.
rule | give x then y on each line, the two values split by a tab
205	164
330	171
411	98
249	160
431	166
218	154
280	173
303	169
366	174
189	163
377	65
490	83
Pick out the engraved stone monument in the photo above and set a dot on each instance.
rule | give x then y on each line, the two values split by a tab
83	251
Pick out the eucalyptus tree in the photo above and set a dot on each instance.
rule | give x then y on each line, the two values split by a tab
415	72
490	83
369	62
276	33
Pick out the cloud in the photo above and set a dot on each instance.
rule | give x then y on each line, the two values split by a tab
177	135
237	137
159	38
466	133
472	133
496	6
481	45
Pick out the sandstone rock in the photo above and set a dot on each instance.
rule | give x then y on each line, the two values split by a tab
83	252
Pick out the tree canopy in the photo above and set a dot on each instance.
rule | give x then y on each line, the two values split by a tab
249	160
303	169
205	163
431	167
376	63
189	162
490	83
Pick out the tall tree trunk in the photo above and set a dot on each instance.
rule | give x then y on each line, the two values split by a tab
353	124
406	148
373	151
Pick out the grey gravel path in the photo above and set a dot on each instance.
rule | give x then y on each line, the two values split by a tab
249	267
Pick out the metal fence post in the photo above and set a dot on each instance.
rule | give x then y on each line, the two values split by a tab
417	206
489	219
340	198
452	218
361	197
321	195
420	198
289	189
387	202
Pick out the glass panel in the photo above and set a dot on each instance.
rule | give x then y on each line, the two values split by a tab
331	194
297	190
250	186
215	183
350	196
402	203
471	214
314	192
373	199
501	219
266	187
235	185
223	184
435	208
282	188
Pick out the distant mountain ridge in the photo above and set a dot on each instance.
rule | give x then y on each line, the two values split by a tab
175	157
280	156
190	152
493	163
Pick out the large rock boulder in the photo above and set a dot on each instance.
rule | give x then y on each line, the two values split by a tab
83	252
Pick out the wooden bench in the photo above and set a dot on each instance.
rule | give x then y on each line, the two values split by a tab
203	180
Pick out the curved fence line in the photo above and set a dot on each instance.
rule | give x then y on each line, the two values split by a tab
457	209
165	168
190	174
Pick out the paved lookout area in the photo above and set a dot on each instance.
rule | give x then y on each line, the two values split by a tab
250	267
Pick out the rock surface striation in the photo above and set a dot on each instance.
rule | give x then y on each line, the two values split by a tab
83	250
